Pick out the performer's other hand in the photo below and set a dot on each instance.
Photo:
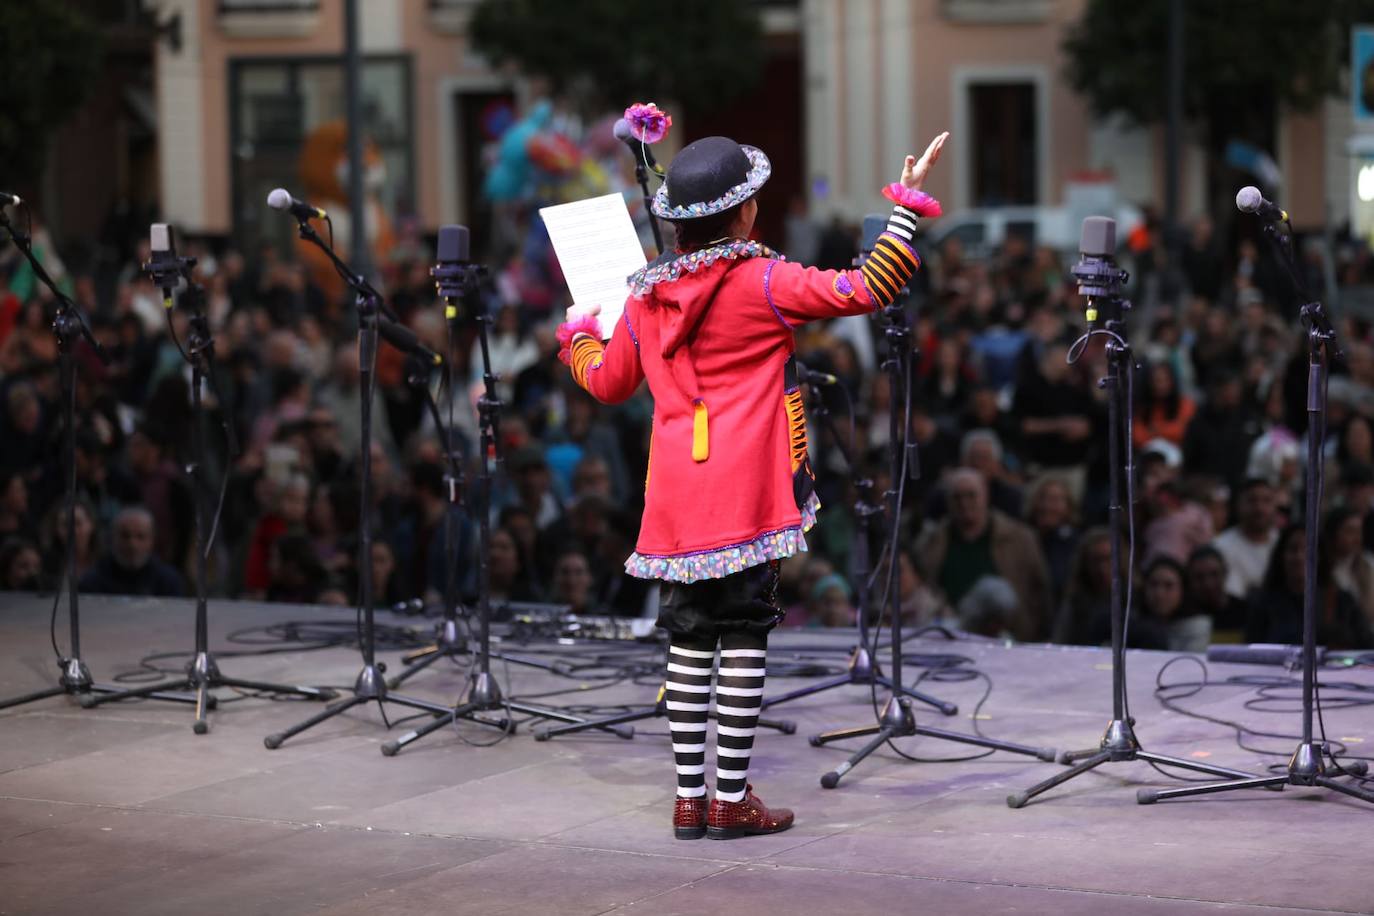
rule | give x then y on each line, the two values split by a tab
581	311
914	172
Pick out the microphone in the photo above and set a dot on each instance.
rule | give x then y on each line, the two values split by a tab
625	135
812	377
1250	200
404	339
163	267
1099	279
281	199
451	275
9	200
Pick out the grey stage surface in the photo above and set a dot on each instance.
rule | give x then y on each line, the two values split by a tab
122	809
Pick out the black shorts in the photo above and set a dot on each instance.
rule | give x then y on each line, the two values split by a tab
746	601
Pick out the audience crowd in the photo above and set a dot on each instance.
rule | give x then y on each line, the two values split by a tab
1003	529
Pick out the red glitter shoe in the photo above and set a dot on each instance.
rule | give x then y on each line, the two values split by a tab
689	818
728	820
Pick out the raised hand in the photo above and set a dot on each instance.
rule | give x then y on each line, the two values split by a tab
914	172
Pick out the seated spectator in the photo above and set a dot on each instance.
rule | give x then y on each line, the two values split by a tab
52	537
1163	412
297	575
290	502
1218	439
1177	527
130	567
1057	413
1084	618
1166	620
163	492
572	582
20	566
1276	609
1206	591
828	603
797	576
1352	567
1051	512
1248	545
976	541
14	503
508	575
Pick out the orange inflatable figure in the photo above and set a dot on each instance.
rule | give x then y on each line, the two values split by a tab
324	178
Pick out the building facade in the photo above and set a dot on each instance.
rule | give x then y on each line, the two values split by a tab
246	80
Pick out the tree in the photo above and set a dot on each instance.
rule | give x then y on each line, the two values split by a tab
49	57
1243	59
608	53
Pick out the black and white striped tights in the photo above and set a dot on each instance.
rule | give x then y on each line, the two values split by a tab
739	693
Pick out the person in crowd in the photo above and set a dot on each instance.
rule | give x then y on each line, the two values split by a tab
131	566
510	576
1248	545
163	491
52	539
572	583
1218	439
14	503
1057	414
1352	567
1084	617
1167	620
977	541
290	501
1052	513
1276	608
20	566
1178	525
1163	412
1206	592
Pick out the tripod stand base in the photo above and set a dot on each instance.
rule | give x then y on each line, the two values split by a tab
1305	768
447	644
658	710
369	685
897	721
75	680
202	676
861	670
1119	744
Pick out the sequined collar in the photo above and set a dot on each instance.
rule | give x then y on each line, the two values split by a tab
647	277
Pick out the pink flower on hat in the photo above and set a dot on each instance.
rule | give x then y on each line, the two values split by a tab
647	122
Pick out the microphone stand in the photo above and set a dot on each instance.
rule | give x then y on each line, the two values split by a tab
202	672
896	719
1307	766
642	176
483	693
68	324
448	643
861	668
1118	743
369	685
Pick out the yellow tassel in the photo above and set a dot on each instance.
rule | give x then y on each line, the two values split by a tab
701	446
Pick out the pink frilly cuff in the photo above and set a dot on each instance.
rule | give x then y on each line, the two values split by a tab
917	201
587	324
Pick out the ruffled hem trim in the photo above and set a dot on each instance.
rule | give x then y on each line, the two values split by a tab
724	561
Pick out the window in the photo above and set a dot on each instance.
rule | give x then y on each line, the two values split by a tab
1003	144
277	103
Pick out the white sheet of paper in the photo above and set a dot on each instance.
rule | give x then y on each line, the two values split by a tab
597	247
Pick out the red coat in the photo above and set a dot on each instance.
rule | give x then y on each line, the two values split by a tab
718	337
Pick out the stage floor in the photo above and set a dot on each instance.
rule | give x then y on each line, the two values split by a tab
122	810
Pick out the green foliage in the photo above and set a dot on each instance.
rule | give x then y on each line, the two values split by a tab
49	58
1236	53
613	52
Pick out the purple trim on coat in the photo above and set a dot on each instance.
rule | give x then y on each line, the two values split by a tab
629	327
768	293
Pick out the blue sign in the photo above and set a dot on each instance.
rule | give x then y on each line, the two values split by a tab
1362	71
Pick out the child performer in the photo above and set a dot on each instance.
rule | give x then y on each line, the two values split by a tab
729	490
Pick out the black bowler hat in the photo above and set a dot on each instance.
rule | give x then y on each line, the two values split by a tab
710	176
